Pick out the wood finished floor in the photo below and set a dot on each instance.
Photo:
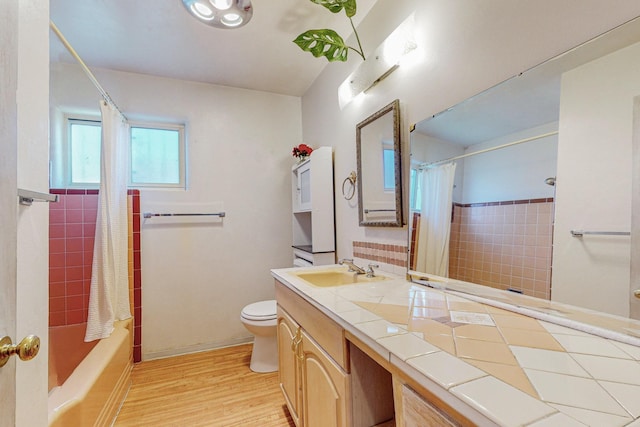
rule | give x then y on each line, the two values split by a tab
213	388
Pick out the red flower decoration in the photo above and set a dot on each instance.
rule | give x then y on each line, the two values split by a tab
301	150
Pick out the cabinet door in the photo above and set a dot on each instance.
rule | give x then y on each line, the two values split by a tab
288	369
304	187
325	388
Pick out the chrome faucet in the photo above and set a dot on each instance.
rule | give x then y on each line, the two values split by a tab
352	266
370	272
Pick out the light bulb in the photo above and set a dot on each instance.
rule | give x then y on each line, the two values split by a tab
202	10
231	19
221	4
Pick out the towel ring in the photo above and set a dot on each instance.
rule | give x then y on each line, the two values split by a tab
351	190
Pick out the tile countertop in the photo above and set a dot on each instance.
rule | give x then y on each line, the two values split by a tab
513	369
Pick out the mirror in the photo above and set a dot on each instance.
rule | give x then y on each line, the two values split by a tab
486	208
378	156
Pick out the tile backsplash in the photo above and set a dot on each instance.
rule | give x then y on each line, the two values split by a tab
392	258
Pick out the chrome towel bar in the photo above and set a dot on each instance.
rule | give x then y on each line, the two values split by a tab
149	215
379	210
27	197
580	233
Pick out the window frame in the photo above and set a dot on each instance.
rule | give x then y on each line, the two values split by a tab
68	162
182	163
65	148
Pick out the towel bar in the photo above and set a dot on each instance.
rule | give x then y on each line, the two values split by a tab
580	233
27	197
149	215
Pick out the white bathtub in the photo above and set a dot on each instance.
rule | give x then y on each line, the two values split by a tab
94	391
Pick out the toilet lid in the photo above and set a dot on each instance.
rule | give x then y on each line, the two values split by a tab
262	310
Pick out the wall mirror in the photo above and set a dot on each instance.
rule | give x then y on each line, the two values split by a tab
502	184
379	175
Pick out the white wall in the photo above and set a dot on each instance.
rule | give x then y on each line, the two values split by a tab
465	46
24	76
594	182
197	277
511	173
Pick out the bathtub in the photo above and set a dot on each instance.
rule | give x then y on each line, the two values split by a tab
90	394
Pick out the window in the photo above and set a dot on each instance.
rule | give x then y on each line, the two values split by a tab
84	147
389	169
156	154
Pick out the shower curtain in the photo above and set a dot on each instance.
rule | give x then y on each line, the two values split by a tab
435	219
109	297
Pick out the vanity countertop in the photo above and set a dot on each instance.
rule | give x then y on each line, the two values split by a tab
513	369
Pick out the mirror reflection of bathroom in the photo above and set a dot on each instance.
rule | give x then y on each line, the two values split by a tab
378	151
497	228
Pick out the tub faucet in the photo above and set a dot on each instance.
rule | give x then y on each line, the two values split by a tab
352	266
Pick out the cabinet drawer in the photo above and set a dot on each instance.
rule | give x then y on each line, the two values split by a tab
328	334
417	412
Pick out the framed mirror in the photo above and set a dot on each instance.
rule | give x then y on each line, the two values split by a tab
528	187
379	173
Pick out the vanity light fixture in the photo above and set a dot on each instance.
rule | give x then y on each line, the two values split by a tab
220	13
379	65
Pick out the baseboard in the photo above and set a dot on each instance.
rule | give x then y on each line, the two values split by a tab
195	348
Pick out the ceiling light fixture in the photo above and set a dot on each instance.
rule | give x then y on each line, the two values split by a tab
220	13
379	65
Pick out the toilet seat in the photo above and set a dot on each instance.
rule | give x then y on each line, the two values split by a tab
260	311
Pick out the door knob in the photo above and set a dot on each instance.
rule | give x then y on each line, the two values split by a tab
26	349
636	293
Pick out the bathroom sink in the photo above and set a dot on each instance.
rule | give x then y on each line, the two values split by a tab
329	278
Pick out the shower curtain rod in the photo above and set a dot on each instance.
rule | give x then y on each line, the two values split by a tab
498	147
86	69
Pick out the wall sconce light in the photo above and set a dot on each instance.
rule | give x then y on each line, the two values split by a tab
384	61
220	13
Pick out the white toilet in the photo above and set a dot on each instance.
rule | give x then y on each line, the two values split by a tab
260	318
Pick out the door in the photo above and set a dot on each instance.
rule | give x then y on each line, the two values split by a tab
24	112
302	202
8	211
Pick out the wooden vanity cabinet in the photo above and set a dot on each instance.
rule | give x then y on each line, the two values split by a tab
329	377
288	366
312	355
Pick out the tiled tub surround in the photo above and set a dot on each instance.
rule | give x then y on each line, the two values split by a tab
72	224
510	368
505	245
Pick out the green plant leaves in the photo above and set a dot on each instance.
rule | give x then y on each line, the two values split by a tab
323	42
326	42
336	6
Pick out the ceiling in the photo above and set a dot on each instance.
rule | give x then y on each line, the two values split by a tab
159	37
